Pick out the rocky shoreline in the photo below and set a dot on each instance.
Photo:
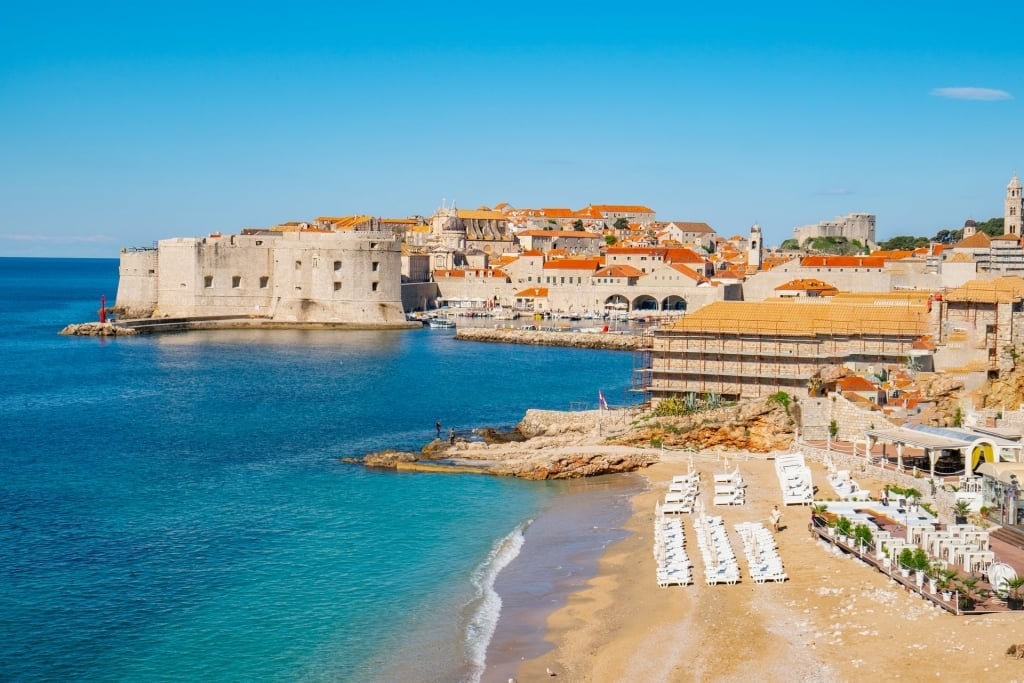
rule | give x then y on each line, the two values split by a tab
97	330
581	340
546	444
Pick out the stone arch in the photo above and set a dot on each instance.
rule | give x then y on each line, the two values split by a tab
673	302
645	302
616	302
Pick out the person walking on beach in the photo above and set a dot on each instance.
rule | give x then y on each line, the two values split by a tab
776	518
437	425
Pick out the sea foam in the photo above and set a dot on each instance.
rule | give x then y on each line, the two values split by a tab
486	603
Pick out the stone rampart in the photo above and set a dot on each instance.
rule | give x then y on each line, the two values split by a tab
580	340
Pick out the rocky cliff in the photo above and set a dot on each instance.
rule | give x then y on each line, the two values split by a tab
758	426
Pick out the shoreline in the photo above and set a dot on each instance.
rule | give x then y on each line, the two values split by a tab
835	619
558	558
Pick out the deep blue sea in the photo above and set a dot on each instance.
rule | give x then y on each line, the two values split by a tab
174	508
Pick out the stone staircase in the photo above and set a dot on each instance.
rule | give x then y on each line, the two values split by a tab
1010	535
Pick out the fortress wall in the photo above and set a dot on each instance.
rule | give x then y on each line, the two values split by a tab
419	296
338	277
137	283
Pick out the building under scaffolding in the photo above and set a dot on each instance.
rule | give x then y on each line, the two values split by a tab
744	349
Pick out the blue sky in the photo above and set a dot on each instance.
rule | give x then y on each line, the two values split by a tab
125	123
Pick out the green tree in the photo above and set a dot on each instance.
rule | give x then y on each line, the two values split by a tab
621	223
993	227
789	245
610	240
904	243
578	225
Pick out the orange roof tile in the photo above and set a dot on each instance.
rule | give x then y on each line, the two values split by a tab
842	262
978	240
856	383
618	271
621	208
805	285
533	293
573	264
1005	289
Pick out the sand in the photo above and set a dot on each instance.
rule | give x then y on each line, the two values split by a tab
836	619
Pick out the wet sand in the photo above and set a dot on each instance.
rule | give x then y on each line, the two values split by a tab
834	620
562	549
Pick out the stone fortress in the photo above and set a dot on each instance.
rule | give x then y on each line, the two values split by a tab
305	276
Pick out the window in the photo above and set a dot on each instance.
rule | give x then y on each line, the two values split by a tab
373	266
259	243
264	281
373	245
337	286
236	281
298	265
373	286
208	281
337	265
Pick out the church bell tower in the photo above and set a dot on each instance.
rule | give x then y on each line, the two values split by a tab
1014	208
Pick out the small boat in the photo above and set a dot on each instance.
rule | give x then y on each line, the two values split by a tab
440	323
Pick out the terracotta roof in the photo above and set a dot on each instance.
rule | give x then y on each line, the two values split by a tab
856	383
687	271
683	255
1002	290
978	240
573	264
804	319
533	293
843	261
804	285
1006	238
555	234
618	271
487	215
621	208
893	254
533	252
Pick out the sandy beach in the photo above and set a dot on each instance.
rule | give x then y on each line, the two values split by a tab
836	619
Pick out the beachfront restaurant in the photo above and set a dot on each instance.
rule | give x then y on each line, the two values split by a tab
1001	484
944	451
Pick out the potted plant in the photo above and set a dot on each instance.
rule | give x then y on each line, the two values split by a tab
1013	589
844	528
960	511
906	560
945	583
968	597
934	574
862	537
920	565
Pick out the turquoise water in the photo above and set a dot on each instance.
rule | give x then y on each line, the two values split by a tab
174	507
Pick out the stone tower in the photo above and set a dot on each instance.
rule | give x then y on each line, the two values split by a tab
970	228
1014	208
755	255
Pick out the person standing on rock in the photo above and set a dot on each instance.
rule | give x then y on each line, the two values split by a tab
451	436
437	425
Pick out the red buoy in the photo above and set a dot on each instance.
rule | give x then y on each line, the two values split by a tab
103	308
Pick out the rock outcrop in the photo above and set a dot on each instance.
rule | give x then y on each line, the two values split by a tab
1004	392
97	330
758	426
552	445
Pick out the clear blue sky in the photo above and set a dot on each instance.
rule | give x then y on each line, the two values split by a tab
125	123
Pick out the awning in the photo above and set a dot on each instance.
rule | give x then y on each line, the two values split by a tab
1002	470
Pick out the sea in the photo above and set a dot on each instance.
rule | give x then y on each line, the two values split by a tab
176	507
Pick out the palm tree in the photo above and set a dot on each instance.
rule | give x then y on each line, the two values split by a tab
1013	587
